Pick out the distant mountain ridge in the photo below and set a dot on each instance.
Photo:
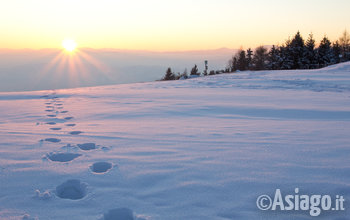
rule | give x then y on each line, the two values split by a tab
29	69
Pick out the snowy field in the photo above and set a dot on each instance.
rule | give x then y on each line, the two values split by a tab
203	148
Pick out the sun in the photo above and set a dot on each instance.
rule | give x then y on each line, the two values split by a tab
69	45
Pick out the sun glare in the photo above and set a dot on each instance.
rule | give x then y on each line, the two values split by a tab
69	45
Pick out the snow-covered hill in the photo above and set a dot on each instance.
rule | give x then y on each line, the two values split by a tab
203	148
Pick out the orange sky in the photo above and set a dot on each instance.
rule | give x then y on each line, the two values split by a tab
167	25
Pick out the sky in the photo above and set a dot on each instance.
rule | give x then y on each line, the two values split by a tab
161	25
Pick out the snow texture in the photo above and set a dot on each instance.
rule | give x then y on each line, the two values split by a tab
202	148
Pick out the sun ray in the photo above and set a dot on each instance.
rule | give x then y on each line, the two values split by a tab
74	67
98	65
52	63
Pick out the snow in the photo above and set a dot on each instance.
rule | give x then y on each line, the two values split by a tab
202	148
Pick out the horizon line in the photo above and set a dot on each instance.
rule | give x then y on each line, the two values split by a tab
131	50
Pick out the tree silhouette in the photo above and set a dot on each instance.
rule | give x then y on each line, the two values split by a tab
169	75
194	71
260	58
242	60
325	56
298	52
249	58
310	53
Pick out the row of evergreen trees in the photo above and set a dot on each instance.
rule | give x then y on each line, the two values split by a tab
295	53
170	75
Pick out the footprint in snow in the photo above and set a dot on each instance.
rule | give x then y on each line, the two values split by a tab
101	167
75	132
87	146
53	140
68	118
49	110
71	189
62	157
55	129
64	112
51	116
70	125
51	123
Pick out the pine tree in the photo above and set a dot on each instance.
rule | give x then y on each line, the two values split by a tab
337	50
232	64
169	75
286	61
260	58
273	58
249	59
325	53
235	65
194	71
205	72
298	51
311	58
242	60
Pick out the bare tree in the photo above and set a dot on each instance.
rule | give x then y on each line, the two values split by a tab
344	42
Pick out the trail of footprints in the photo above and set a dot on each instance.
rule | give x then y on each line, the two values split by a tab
74	189
54	105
